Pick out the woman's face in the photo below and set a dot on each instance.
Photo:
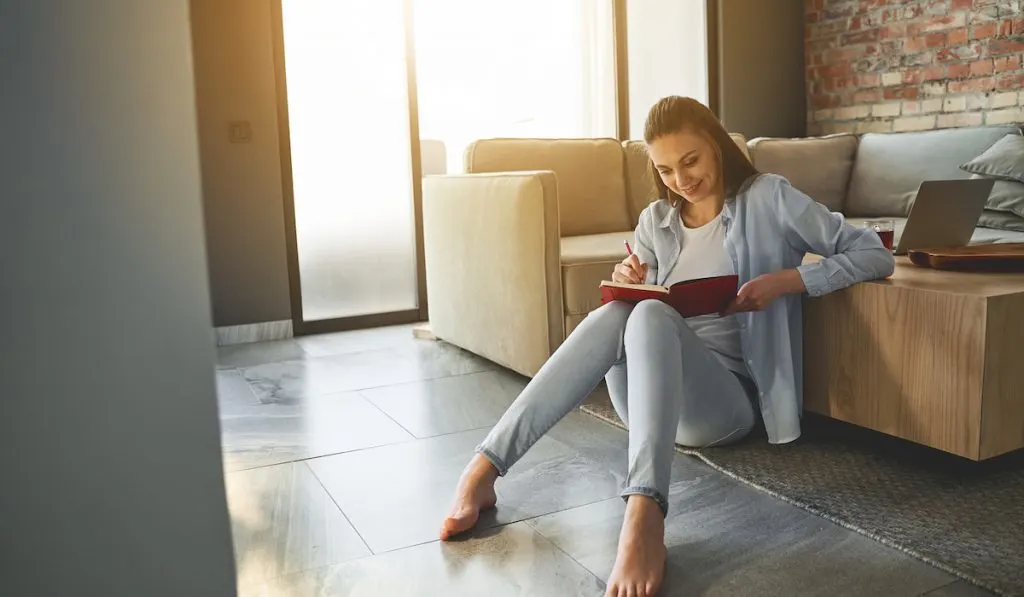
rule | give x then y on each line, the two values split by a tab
688	165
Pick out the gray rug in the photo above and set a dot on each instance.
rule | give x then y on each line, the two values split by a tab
964	517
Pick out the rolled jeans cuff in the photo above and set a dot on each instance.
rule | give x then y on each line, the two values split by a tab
651	493
495	460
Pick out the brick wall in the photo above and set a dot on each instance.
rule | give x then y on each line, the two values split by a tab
901	65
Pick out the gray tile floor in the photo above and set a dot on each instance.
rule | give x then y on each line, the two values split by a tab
342	452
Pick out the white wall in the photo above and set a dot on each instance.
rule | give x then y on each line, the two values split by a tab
667	47
111	481
243	194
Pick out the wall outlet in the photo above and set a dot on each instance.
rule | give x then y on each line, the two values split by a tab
240	131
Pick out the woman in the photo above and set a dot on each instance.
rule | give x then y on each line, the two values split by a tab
699	381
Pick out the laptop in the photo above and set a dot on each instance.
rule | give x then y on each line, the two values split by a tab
944	214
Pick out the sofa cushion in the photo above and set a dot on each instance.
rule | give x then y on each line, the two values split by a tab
589	172
1006	196
639	181
586	260
890	167
1001	220
1004	160
818	166
984	235
980	236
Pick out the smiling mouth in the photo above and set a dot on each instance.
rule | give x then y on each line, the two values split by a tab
690	189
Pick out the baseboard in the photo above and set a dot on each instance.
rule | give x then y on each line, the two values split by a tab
254	332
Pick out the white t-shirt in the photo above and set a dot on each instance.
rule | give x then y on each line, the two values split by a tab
702	256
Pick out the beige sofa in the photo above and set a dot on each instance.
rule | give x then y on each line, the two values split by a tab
515	248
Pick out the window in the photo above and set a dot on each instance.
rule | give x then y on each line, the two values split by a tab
531	68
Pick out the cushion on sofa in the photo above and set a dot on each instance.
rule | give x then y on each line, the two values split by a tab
586	260
818	166
1004	160
589	172
980	236
890	167
1001	220
1007	196
639	181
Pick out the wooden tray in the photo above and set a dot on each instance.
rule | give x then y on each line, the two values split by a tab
995	257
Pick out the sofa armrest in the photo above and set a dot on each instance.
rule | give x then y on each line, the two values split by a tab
491	244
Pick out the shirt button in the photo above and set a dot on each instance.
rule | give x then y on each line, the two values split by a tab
750	361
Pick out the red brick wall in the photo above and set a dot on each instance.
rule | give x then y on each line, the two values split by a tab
900	65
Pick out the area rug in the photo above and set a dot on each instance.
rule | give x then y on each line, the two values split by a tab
964	517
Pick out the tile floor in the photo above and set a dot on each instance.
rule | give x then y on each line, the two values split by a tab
342	452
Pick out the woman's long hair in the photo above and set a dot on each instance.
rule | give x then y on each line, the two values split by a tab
673	114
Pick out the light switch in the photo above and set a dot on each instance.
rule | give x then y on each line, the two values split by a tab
240	131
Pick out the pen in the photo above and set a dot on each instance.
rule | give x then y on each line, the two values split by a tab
628	250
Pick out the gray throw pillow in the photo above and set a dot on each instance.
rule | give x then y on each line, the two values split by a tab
1004	160
1001	220
1006	196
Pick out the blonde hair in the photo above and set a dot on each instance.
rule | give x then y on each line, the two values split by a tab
673	114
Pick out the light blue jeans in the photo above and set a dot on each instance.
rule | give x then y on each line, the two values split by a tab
664	382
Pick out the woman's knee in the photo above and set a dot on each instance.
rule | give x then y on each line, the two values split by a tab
651	317
613	314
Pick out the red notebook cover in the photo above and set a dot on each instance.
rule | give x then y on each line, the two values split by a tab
691	298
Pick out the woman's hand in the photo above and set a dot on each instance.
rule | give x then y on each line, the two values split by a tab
630	271
762	291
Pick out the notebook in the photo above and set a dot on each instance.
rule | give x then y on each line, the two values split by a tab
690	298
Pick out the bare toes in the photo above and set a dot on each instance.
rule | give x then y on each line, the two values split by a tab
453	525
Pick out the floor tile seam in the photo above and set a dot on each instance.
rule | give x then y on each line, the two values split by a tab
600	580
307	356
377	407
414	439
341	510
376	387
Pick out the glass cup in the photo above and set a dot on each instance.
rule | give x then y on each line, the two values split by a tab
886	230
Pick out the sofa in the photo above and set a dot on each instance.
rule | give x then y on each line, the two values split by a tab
516	246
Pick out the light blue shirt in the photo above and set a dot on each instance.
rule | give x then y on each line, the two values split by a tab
771	226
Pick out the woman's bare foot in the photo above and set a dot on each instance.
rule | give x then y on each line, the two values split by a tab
640	562
474	494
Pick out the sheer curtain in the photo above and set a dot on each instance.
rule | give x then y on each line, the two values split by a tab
533	68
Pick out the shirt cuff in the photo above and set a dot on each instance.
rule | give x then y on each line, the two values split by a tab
814	277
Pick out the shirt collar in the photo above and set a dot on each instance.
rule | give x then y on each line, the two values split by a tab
673	214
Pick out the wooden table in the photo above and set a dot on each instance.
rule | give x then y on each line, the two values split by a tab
930	356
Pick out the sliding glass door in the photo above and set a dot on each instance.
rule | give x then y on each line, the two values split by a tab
349	138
